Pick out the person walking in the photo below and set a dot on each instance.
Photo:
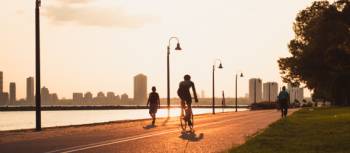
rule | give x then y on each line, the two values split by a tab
153	103
284	100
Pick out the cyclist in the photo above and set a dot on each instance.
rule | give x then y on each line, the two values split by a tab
185	96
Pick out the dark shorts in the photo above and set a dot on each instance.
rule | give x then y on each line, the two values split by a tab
153	109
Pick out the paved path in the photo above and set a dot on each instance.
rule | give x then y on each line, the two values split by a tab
213	133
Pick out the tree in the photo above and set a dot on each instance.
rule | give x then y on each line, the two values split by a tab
321	51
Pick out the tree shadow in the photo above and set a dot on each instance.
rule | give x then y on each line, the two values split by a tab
191	136
149	127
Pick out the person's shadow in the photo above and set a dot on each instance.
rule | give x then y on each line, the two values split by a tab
149	127
191	136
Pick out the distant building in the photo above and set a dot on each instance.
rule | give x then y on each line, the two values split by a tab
1	82
12	93
203	94
295	93
140	89
110	97
4	98
53	98
45	96
124	98
30	90
101	95
255	90
88	97
78	97
101	98
117	99
270	91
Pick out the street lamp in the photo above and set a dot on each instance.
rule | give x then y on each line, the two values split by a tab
241	75
168	67
37	66
220	67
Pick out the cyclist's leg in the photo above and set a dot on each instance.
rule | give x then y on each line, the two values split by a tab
183	107
189	112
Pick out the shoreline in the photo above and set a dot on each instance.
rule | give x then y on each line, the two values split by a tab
93	124
57	108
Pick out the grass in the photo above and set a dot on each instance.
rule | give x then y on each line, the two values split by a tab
320	130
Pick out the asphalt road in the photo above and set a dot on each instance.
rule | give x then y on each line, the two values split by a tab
213	133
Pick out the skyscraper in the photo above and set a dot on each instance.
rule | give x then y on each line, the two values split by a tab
1	83
30	90
45	96
124	98
140	89
270	91
88	97
295	93
12	93
255	90
78	97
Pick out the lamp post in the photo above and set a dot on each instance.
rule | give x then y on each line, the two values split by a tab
168	67
220	67
236	90
37	66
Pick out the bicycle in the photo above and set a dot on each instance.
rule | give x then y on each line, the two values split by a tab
186	110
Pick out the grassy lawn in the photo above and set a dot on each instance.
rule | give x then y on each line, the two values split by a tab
320	130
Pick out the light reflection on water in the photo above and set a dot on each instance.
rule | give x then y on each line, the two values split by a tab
26	119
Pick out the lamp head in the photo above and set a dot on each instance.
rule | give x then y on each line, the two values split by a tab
178	47
220	66
241	74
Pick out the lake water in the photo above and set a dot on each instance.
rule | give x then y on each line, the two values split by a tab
14	120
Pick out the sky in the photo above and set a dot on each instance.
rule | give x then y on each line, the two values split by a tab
99	45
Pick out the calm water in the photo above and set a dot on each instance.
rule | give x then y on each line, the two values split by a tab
14	120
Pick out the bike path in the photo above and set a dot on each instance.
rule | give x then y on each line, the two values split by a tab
213	133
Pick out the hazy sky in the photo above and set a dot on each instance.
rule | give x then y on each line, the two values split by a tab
99	45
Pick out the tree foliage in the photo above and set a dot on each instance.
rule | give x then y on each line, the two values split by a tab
321	51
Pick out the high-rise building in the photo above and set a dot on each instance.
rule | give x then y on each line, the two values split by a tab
78	97
1	82
30	90
101	95
45	96
53	98
255	90
88	97
295	93
140	89
270	91
124	98
4	98
110	97
12	93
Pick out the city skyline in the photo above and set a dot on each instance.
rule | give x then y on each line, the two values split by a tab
99	61
141	90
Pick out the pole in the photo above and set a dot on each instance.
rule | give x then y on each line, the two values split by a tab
236	94
269	92
213	102
168	78
37	66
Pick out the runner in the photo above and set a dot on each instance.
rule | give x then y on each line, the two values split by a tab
186	98
154	103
